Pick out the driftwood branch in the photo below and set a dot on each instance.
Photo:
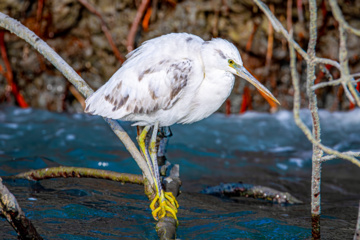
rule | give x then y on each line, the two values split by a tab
65	172
166	227
11	210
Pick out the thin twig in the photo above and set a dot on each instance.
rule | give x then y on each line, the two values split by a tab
251	38
146	20
39	12
340	18
9	74
77	95
331	157
279	28
104	28
298	121
270	43
343	54
299	8
332	83
135	24
357	231
289	14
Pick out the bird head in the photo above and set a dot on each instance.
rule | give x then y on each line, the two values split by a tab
224	55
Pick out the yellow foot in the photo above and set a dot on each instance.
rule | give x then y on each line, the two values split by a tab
166	202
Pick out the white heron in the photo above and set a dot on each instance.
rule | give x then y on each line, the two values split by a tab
174	78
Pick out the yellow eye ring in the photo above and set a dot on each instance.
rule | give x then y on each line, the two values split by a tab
230	61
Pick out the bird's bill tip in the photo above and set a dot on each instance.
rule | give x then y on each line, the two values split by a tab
243	73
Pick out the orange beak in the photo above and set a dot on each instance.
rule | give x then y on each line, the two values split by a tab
243	73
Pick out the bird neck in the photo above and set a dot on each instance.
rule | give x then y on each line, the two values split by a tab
214	90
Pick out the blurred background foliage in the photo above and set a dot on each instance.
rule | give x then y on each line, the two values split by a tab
77	29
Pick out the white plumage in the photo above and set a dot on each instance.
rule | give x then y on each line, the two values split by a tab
175	78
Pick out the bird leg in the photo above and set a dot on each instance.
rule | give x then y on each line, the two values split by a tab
163	139
165	201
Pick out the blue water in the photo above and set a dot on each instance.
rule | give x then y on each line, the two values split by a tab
254	148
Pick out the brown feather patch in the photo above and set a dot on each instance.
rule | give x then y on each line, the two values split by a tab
142	74
222	55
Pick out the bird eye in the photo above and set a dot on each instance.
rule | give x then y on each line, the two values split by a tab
231	62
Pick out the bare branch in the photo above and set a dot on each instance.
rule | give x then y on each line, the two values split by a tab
300	123
10	209
331	157
279	28
340	18
332	83
343	54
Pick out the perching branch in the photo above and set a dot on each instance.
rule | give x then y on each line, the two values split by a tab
24	33
10	209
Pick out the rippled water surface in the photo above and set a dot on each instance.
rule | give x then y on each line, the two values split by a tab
253	148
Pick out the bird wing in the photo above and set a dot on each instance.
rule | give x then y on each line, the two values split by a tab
141	90
154	77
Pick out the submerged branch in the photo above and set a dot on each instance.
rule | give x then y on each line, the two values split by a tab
357	231
65	172
251	191
11	210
